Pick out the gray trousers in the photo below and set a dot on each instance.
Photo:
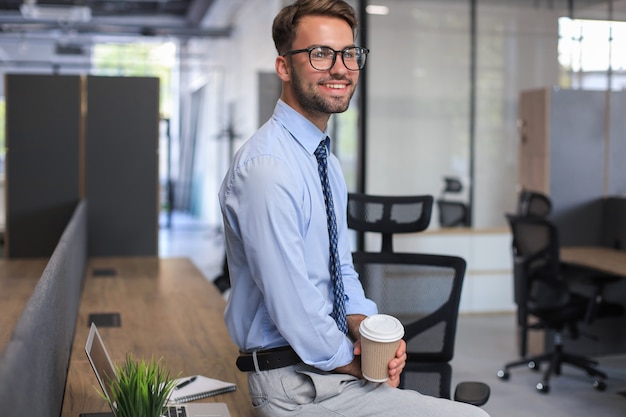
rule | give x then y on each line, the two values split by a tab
301	390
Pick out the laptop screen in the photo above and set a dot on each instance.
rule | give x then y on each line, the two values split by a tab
100	360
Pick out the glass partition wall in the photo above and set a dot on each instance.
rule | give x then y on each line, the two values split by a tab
443	82
418	92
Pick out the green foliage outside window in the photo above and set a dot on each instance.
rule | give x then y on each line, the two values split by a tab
139	60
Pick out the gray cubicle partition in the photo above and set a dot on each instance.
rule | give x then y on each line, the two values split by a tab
73	137
617	145
122	165
34	364
42	169
614	223
587	157
577	163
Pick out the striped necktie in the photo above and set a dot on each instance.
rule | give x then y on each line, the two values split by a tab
339	306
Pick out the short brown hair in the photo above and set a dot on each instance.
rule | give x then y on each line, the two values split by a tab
286	21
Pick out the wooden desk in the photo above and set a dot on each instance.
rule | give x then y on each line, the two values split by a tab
18	278
603	259
608	332
169	310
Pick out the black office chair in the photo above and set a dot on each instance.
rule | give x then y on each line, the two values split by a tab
389	215
533	203
421	290
452	213
542	291
529	203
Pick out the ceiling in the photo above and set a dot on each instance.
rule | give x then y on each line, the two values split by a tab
182	18
178	18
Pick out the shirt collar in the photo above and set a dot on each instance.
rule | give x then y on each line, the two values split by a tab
300	128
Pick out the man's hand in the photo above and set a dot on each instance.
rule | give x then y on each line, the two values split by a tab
396	365
354	367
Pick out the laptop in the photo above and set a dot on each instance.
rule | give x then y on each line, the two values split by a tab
103	368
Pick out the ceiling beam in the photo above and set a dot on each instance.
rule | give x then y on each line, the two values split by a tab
197	10
96	28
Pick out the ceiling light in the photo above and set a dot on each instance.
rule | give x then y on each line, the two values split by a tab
69	49
379	10
56	13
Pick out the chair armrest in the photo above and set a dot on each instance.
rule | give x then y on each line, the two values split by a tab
596	298
475	393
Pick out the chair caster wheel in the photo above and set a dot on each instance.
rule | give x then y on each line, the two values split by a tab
534	366
599	385
543	388
503	374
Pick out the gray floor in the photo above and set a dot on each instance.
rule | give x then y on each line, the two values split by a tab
484	343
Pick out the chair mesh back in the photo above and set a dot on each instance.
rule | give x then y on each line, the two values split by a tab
531	203
389	214
530	237
452	213
423	292
538	284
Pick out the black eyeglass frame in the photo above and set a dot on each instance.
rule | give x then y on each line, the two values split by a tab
363	51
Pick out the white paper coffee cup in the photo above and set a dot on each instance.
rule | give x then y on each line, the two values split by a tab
380	338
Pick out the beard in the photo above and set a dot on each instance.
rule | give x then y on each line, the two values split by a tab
311	101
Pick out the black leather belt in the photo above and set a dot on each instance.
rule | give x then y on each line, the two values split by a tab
268	359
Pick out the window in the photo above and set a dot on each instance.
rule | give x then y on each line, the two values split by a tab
591	54
139	59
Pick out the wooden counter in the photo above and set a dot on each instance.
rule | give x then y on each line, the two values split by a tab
603	259
169	310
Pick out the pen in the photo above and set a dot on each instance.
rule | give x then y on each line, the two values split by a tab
185	383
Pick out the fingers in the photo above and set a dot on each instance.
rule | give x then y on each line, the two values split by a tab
401	349
396	365
395	383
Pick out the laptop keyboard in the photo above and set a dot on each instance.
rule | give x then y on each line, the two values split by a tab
173	411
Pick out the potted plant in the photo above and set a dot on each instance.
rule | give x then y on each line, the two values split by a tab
141	388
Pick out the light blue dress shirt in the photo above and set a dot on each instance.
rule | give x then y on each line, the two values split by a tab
277	245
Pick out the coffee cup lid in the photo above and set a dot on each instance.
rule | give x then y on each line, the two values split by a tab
382	328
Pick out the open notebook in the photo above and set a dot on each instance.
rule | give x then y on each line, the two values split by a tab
103	368
198	386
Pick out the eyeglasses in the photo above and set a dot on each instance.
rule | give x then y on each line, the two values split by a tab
322	58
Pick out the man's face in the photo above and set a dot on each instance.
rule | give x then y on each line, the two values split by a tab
322	92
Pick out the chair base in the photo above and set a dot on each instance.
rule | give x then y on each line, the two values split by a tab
556	359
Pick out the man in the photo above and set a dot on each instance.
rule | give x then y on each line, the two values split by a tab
300	358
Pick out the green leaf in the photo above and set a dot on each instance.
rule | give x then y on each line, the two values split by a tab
141	389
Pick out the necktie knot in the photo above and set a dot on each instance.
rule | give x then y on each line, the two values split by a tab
321	152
